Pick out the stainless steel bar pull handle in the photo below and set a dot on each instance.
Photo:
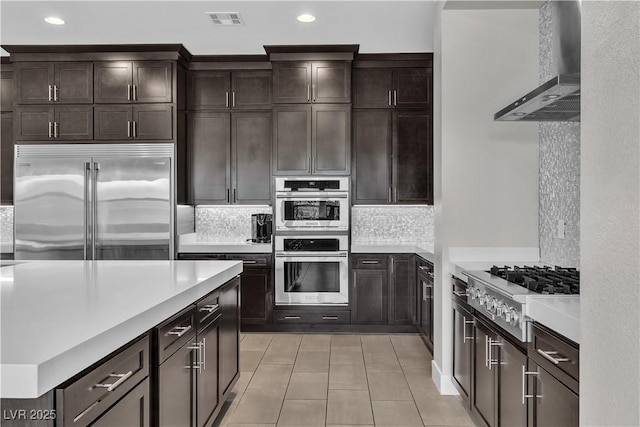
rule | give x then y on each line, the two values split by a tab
308	92
329	317
210	308
486	351
459	294
180	330
55	130
492	344
50	130
233	99
50	88
198	361
87	220
134	131
524	385
395	97
389	96
430	274
55	93
128	92
548	355
134	89
249	261
291	317
94	214
464	330
128	129
226	99
121	378
422	267
204	354
366	261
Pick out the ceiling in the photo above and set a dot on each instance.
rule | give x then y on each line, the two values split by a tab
377	26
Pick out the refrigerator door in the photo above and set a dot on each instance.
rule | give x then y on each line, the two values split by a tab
50	210
132	208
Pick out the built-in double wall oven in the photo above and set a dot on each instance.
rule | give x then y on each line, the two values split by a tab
312	204
312	269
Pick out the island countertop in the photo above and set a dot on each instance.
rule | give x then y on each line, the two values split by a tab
59	317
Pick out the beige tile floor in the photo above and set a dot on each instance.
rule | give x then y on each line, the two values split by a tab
337	380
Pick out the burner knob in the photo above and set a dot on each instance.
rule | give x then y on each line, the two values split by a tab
471	291
494	305
514	318
502	309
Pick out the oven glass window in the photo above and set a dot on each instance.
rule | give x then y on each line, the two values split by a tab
309	210
311	276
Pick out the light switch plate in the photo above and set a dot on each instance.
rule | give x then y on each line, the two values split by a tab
561	229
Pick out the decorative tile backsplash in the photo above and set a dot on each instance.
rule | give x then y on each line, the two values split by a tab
410	225
6	224
226	224
559	184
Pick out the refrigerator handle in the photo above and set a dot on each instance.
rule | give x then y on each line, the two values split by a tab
87	211
94	204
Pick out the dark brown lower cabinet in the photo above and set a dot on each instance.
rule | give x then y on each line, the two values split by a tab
229	336
512	407
424	314
256	291
130	411
462	350
402	291
483	385
554	404
369	297
176	387
207	394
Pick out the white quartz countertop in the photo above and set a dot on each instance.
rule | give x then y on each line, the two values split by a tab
560	313
59	317
188	243
392	249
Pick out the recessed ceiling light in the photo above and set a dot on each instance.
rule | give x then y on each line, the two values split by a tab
305	17
54	20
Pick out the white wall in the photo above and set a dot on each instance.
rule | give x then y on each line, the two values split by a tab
486	173
610	212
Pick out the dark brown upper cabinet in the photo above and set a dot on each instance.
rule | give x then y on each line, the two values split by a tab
327	82
59	123
230	89
311	139
126	82
127	122
54	82
230	157
392	157
392	88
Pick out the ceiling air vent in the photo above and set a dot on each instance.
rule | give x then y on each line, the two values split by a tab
225	18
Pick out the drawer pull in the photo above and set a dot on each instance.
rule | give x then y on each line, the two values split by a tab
329	317
460	294
180	332
430	274
370	262
554	360
423	268
121	378
249	261
291	317
210	308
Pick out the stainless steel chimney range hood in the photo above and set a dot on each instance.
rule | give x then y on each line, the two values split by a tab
559	98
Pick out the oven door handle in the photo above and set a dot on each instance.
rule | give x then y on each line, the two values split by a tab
307	195
311	254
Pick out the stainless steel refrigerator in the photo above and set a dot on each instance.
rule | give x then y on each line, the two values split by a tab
94	201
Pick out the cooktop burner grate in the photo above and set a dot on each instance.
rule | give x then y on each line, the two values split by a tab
542	280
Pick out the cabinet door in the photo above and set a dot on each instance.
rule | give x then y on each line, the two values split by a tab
369	297
412	157
371	176
291	82
6	144
112	82
251	157
372	88
251	89
331	82
256	296
74	122
207	375
152	81
229	336
153	122
483	393
112	122
413	87
331	139
512	411
34	82
209	137
73	82
209	89
426	307
555	404
34	123
292	140
130	411
176	386
7	90
462	351
402	291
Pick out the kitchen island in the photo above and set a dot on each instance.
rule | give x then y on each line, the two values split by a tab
61	319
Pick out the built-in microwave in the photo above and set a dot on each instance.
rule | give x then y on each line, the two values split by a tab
312	204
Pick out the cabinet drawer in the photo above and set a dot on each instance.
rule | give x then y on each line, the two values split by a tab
553	353
314	317
249	260
200	257
369	261
208	308
80	402
175	332
459	292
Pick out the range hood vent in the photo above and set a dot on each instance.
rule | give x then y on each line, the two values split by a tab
559	98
